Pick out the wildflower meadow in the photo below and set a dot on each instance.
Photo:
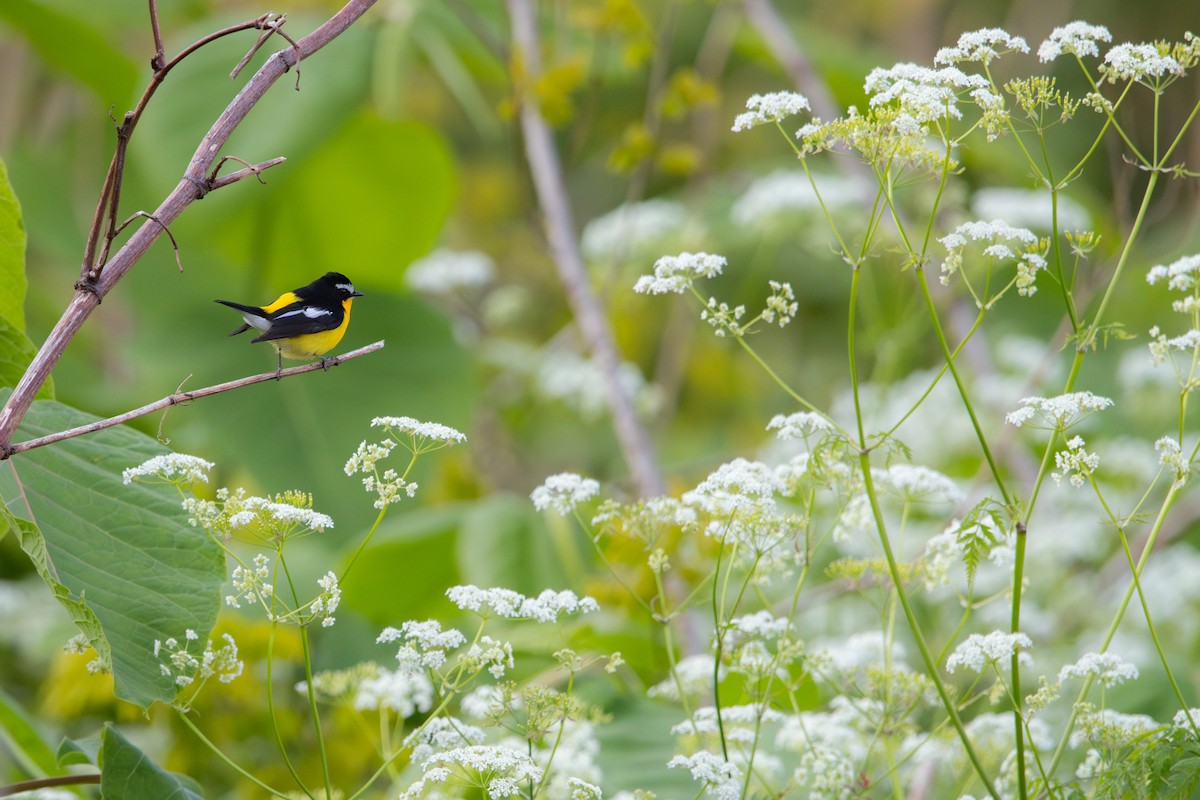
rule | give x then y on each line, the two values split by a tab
871	479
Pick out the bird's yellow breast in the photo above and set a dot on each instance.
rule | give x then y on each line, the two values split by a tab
311	345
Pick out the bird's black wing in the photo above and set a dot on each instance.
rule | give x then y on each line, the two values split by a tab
297	319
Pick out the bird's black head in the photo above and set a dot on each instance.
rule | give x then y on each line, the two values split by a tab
338	284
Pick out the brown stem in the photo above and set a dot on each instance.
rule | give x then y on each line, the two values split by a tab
47	783
546	169
190	187
156	63
184	397
116	168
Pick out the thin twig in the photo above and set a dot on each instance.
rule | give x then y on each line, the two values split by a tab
166	230
92	291
46	783
546	170
112	180
251	169
156	63
180	398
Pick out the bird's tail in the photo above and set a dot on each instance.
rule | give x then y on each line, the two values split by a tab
247	313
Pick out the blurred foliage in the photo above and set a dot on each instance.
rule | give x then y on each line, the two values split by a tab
400	138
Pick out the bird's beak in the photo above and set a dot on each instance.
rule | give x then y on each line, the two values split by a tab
356	294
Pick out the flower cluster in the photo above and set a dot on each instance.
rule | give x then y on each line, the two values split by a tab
677	273
564	491
177	661
1058	413
505	603
998	238
415	436
981	46
448	271
773	107
1076	38
176	469
1075	463
981	650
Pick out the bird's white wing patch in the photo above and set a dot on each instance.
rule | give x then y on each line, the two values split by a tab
312	312
254	321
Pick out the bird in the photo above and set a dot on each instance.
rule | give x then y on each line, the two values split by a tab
304	323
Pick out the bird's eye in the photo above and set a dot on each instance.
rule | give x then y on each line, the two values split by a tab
348	288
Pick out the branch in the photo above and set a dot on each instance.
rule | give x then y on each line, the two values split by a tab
546	169
46	783
183	397
192	186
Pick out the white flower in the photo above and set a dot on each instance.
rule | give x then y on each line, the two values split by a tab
773	107
432	431
1028	208
403	692
1108	728
785	192
798	425
982	46
632	228
1171	456
1181	274
498	771
1137	61
739	723
1058	412
827	774
693	675
1106	668
424	644
582	790
676	273
1075	463
484	702
979	651
327	602
174	468
759	625
447	271
564	491
512	605
923	94
915	481
442	733
1075	38
721	778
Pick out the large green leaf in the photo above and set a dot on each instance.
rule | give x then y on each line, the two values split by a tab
421	541
369	201
503	543
12	256
16	351
74	47
121	559
128	774
21	739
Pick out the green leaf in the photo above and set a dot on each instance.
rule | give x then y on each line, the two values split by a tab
503	543
126	773
12	256
72	752
22	741
423	540
369	201
121	559
16	351
75	48
636	746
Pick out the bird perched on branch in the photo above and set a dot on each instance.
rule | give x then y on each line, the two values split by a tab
303	323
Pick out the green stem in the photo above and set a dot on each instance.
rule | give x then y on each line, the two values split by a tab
228	761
